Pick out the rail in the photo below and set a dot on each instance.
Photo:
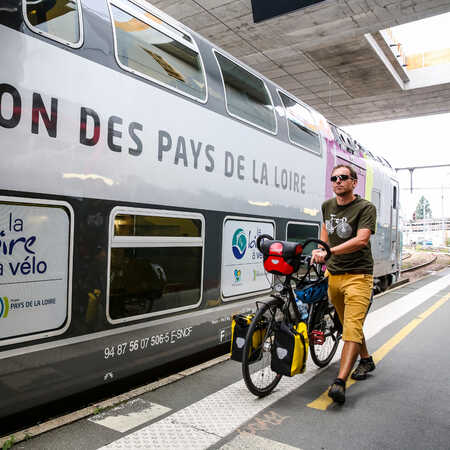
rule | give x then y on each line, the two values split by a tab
419	266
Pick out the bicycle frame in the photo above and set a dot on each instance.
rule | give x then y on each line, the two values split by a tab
287	297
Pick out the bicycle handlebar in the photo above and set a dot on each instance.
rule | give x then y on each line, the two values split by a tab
308	241
325	246
260	238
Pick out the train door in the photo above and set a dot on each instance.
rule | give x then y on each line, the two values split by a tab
361	186
378	242
394	257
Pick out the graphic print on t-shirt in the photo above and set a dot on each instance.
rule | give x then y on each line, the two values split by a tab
340	225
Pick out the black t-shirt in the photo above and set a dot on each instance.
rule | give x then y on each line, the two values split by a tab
342	223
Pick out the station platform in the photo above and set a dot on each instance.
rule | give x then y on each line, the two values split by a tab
404	403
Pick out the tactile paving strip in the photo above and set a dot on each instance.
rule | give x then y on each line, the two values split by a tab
205	422
244	441
226	410
165	434
129	415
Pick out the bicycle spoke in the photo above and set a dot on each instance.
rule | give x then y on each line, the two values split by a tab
258	376
324	322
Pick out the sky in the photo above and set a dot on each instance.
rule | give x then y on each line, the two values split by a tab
424	35
420	141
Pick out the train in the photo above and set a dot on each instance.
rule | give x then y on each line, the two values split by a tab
139	164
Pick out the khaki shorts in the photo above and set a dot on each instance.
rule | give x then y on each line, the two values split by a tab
350	295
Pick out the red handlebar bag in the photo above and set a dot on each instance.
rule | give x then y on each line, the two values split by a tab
281	257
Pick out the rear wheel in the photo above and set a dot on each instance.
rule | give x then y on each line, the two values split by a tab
257	354
325	333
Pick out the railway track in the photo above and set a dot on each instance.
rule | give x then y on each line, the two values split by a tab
419	266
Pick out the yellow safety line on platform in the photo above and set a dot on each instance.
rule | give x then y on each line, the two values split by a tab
323	402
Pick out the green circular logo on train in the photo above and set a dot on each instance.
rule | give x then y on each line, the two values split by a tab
239	243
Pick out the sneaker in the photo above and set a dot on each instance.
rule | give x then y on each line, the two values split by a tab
337	391
365	366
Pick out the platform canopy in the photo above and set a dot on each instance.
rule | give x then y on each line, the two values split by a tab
343	57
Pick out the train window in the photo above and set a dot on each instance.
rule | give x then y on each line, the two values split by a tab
59	20
376	200
364	151
156	263
242	264
394	199
246	95
149	47
348	141
300	232
302	127
387	163
133	225
337	136
35	268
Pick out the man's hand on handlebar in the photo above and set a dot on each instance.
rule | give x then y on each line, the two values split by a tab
318	256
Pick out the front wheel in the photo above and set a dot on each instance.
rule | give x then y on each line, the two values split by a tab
325	332
257	355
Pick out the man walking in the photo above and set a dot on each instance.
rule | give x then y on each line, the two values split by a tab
348	222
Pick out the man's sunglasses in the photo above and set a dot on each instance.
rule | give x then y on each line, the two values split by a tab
340	177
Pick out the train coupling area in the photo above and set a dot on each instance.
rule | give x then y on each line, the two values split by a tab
403	403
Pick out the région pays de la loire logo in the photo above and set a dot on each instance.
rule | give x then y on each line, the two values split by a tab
4	307
237	275
239	243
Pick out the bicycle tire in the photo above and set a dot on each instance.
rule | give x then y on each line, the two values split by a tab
324	318
258	376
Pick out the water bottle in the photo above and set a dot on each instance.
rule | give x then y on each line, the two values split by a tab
302	308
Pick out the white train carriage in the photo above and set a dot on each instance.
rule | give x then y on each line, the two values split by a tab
139	163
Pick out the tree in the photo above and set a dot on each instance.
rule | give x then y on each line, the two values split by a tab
423	209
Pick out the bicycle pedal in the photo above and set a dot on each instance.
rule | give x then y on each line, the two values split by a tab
316	337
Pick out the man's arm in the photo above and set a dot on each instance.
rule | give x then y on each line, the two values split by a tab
352	245
318	255
324	234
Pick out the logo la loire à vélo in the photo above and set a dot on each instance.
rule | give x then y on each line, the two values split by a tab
239	243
